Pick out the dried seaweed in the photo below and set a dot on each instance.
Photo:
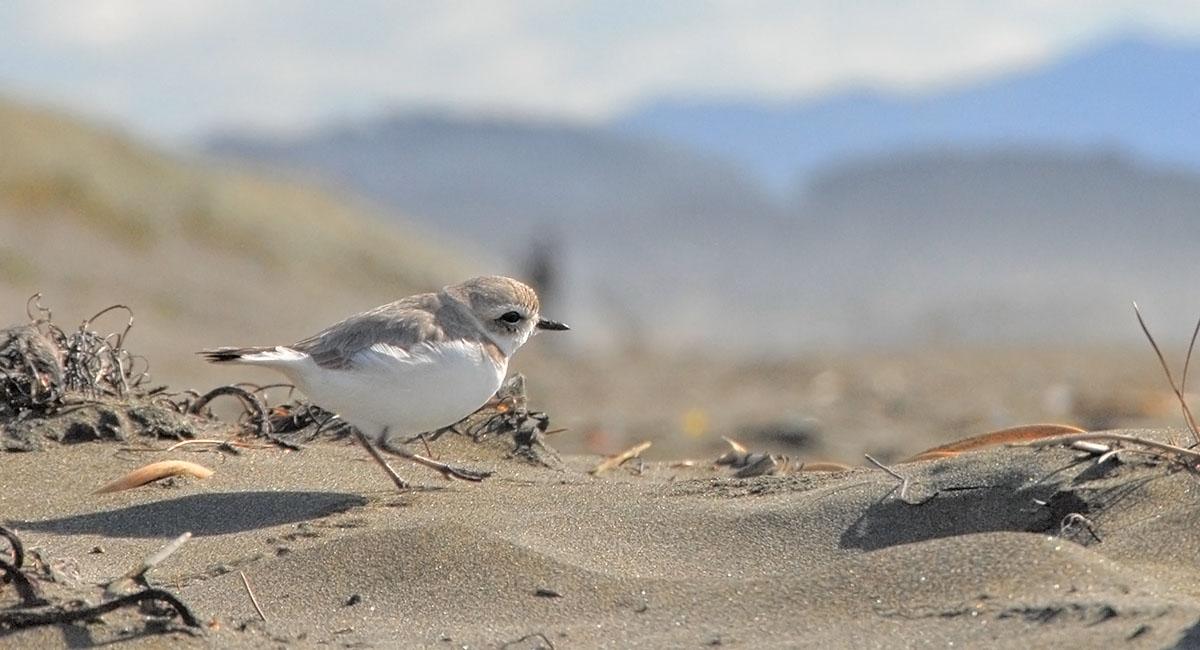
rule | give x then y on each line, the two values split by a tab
44	367
147	474
31	373
84	384
535	641
303	421
508	414
299	421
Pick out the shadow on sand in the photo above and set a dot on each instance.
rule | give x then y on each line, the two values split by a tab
202	514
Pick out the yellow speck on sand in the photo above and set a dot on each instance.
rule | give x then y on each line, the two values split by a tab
695	422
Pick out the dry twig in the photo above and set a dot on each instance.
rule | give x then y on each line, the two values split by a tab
1177	389
222	445
905	484
1191	456
621	458
253	600
156	558
137	575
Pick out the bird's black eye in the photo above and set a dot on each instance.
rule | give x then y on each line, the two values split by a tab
511	317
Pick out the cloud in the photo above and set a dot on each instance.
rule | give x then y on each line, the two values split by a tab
174	68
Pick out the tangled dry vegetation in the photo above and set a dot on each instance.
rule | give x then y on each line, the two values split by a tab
83	384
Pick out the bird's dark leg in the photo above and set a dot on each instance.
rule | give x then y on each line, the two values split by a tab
428	436
400	483
448	471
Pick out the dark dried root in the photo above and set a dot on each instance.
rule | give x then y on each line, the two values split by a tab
25	589
255	409
18	549
12	572
25	618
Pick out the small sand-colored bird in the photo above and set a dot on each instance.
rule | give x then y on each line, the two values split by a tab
412	366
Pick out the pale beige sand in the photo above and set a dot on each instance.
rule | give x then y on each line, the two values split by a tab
666	558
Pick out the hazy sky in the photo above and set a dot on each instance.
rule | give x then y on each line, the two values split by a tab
174	69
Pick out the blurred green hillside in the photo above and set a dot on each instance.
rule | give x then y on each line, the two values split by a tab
205	255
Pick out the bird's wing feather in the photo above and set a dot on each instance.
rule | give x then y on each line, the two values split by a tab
401	324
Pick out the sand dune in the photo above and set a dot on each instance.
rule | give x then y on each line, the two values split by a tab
664	557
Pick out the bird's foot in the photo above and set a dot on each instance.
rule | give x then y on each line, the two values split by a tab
462	473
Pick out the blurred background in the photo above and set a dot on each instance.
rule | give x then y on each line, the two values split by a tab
821	227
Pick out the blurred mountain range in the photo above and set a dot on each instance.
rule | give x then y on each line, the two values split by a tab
1009	245
1132	95
499	180
1032	206
90	217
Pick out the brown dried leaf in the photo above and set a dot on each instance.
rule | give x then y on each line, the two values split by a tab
1025	433
155	471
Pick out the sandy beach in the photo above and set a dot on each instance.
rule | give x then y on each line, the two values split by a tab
979	550
866	325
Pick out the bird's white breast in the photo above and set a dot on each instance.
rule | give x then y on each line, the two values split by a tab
430	386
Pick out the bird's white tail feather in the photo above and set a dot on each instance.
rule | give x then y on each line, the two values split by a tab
271	357
274	356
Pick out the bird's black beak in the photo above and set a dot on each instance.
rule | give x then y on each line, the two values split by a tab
552	325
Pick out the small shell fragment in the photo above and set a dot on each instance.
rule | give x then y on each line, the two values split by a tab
155	471
1092	447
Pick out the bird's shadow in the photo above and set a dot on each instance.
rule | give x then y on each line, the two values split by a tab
216	513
